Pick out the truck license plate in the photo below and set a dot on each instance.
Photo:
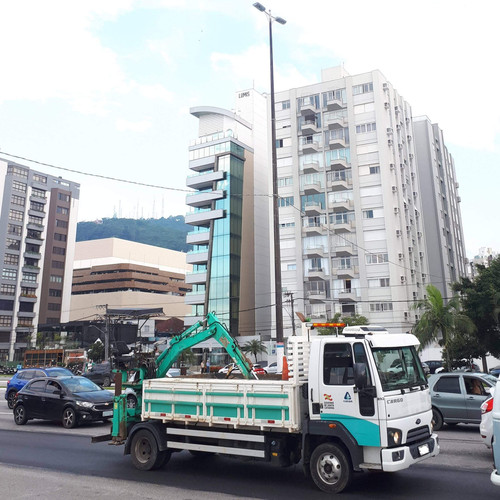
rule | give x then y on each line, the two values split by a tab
423	449
110	412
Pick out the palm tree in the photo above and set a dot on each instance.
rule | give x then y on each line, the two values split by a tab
438	321
254	347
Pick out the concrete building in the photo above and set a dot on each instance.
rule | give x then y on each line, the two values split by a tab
442	219
38	224
119	274
230	215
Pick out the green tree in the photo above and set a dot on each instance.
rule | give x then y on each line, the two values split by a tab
354	320
481	302
96	351
254	347
439	321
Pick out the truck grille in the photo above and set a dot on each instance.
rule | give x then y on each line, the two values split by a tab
418	434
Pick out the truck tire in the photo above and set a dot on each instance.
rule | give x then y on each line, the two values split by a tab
437	420
331	468
145	452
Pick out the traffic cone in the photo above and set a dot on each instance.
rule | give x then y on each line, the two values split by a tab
284	371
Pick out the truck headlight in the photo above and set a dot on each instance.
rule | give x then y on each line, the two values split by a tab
394	437
84	404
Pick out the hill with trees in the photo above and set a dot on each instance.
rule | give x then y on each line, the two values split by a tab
165	233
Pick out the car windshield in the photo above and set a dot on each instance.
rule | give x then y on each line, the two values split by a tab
490	378
80	384
398	368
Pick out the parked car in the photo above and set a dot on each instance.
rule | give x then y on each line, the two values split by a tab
457	397
486	426
426	368
495	475
70	400
235	369
22	377
433	365
273	367
100	374
495	371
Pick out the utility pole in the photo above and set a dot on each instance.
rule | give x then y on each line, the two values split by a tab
106	337
290	294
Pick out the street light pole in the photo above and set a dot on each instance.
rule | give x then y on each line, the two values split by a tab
276	222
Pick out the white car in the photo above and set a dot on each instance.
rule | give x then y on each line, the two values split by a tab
233	367
486	425
272	368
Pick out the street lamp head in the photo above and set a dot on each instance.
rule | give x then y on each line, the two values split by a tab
259	6
280	20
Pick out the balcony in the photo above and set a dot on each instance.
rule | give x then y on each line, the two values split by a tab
194	298
313	208
313	188
309	127
197	257
344	250
203	218
344	226
336	123
316	295
196	278
339	164
314	252
341	205
308	109
191	320
334	104
204	198
339	184
204	181
309	147
337	143
316	274
201	164
347	295
32	255
27	298
198	237
346	272
311	167
311	229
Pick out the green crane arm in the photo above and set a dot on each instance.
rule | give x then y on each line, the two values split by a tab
197	334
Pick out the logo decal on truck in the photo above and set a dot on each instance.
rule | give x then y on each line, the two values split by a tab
395	400
327	397
328	403
347	398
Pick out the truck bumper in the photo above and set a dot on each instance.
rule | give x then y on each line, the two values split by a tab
394	459
495	477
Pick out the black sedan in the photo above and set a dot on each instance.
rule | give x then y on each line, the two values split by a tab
70	400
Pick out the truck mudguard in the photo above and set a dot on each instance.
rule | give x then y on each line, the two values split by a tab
323	428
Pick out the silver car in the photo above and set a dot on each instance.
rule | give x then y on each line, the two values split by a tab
457	397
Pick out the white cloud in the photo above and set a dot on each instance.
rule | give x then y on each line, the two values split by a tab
138	126
156	92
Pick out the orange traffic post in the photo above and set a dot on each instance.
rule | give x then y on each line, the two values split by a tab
284	371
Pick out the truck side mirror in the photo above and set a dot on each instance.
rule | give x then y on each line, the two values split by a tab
360	376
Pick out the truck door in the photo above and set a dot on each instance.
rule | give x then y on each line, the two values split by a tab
339	400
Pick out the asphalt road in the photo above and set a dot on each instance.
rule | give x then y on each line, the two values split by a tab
45	460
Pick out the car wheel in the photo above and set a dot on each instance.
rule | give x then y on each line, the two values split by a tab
145	453
437	419
20	415
330	467
106	382
11	399
131	401
69	418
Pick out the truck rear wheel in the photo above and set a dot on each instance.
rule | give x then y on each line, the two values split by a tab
145	452
330	468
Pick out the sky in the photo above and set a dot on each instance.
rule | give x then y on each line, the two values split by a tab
104	87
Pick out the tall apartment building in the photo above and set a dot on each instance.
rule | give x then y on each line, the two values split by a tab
440	206
230	216
38	223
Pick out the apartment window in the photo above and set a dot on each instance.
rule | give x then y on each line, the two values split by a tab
52	306
378	283
25	322
36	235
285	201
54	292
5	320
7	289
39	193
26	307
32	248
33	219
61	223
12	244
364	108
380	306
55	279
28	292
291	267
59	251
367	214
9	274
63	197
19	186
377	258
280	106
57	264
21	172
39	207
29	277
17	200
52	321
11	259
40	178
60	237
285	181
375	169
62	210
366	127
16	215
362	89
13	229
287	224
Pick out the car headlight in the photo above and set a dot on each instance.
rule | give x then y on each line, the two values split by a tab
394	437
84	404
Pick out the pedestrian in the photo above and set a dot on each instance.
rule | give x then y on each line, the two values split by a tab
208	365
202	366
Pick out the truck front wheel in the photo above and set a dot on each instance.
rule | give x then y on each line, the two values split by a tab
330	468
145	452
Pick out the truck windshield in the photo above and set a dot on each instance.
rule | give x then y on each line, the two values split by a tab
398	367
